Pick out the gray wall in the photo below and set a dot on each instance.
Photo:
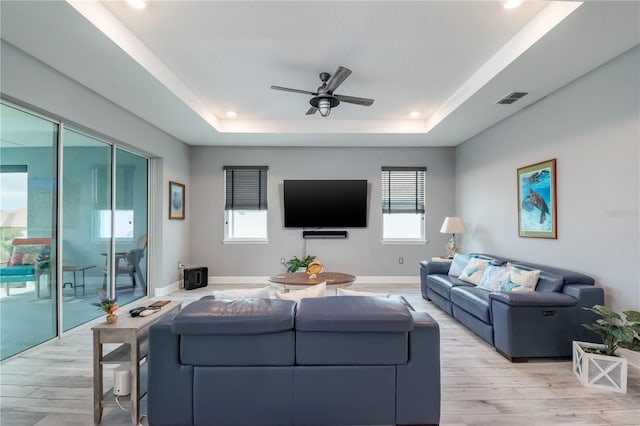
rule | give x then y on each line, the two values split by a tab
592	128
361	254
31	83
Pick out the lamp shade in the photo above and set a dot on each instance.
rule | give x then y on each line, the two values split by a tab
453	225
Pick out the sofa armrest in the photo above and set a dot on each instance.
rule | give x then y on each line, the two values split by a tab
418	381
587	295
433	267
170	390
533	298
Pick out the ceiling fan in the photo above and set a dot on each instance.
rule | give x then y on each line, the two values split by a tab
324	99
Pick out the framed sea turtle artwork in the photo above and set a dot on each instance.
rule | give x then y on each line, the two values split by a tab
537	200
176	200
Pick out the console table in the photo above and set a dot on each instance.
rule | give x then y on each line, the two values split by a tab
133	334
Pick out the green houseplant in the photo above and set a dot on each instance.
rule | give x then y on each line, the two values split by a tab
602	366
296	263
614	330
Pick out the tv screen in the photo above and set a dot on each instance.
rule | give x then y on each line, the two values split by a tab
325	203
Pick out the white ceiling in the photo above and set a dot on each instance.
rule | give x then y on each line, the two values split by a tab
181	65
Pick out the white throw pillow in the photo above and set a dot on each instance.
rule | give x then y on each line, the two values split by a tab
515	279
491	278
474	270
346	292
459	262
243	293
318	290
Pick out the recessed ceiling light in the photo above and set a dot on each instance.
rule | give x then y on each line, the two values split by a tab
138	4
232	114
512	4
414	114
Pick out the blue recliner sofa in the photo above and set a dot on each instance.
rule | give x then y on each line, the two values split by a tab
520	325
348	360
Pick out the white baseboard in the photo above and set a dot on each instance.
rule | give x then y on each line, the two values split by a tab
370	280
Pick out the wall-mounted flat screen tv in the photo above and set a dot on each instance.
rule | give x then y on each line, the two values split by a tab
325	203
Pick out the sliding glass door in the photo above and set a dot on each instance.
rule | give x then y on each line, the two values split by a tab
86	214
103	205
28	194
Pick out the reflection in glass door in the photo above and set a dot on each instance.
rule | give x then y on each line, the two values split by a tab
86	236
130	226
28	191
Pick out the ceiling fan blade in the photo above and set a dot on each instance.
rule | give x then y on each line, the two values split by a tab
287	89
354	100
311	111
337	78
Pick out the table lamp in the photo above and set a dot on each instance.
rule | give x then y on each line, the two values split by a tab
453	226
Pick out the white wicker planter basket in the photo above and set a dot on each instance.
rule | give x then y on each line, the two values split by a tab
633	357
599	371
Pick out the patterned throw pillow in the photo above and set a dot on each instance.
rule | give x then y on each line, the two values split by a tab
259	293
515	279
460	261
27	254
474	270
318	290
347	292
490	281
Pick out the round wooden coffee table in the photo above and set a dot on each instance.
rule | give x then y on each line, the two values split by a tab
335	279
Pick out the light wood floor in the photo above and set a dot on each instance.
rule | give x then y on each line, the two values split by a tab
51	385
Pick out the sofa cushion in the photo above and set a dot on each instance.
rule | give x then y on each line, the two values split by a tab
353	314
490	281
473	300
18	270
474	271
554	279
318	290
459	262
442	284
243	293
517	279
242	316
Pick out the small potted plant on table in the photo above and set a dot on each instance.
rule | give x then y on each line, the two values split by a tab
109	306
294	264
598	365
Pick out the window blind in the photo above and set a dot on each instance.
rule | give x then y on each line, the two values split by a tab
403	189
245	187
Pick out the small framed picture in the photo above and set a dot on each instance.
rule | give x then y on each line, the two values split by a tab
176	200
537	205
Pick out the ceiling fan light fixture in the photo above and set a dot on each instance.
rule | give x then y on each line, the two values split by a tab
324	106
511	4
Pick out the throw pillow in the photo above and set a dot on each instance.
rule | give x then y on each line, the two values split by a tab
318	290
459	262
26	254
347	292
490	280
474	270
515	279
259	293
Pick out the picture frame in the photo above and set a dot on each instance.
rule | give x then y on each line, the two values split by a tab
537	200
176	200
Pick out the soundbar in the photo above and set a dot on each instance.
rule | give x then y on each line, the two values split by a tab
324	234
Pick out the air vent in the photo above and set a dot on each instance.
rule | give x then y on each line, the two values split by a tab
512	97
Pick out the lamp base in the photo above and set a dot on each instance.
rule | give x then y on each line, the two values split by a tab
452	247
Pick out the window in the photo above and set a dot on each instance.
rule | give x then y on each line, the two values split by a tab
13	206
403	199
245	189
122	220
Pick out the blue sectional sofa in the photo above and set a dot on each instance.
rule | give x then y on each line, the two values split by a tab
520	325
348	360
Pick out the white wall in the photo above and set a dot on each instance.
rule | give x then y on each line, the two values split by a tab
361	254
32	83
592	128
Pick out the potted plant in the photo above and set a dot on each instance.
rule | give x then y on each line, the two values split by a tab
294	264
598	365
109	306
